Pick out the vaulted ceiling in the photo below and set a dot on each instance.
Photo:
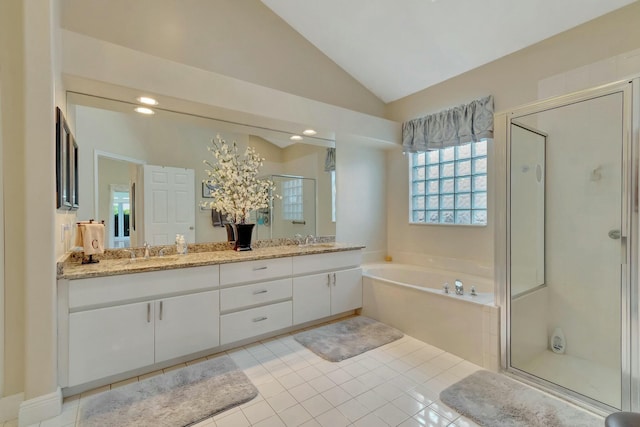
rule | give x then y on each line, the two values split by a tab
399	47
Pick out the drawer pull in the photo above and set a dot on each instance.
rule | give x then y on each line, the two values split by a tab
148	312
259	319
161	310
262	291
259	268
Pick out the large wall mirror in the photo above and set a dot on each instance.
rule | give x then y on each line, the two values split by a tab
139	172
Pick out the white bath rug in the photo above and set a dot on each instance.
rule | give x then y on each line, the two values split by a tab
494	400
342	340
178	398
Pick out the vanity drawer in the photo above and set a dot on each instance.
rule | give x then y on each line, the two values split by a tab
326	262
255	271
255	321
255	294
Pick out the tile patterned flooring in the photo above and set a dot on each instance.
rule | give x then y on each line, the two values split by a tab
397	384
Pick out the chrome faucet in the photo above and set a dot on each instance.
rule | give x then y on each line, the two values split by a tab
146	250
132	254
459	287
473	291
309	239
445	288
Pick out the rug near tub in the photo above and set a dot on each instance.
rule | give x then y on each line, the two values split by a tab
341	340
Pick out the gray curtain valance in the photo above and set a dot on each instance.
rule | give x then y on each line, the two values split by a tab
330	160
459	125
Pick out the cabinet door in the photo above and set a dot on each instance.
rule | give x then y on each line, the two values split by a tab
186	324
109	341
346	290
311	297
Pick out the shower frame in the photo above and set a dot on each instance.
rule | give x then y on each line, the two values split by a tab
630	325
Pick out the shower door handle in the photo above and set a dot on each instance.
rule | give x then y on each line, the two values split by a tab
615	234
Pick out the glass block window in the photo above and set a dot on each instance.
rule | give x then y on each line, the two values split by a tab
449	186
292	205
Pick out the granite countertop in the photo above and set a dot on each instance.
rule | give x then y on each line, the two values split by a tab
73	269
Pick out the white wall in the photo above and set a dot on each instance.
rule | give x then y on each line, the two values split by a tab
243	39
13	80
361	206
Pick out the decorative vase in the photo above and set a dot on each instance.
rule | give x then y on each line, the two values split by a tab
231	232
243	236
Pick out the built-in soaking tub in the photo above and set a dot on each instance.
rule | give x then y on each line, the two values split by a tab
411	298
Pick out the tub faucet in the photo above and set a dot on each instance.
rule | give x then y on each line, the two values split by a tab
473	291
459	287
445	288
146	250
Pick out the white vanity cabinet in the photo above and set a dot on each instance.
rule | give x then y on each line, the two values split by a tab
110	340
186	324
255	298
336	290
121	323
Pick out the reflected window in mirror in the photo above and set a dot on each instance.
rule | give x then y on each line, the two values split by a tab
292	200
449	186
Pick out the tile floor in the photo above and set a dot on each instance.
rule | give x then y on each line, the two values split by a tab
394	385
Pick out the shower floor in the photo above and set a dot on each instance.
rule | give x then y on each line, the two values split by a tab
599	382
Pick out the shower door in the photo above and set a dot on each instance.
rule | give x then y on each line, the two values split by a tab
568	230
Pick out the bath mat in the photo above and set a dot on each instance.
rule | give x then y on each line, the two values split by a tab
494	400
342	340
178	398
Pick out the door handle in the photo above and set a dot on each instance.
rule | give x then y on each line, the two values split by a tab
334	279
161	306
328	279
615	234
148	312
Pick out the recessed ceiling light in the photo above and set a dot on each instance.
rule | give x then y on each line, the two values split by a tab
309	132
296	138
147	100
144	110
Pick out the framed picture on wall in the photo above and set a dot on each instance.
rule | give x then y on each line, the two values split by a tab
63	183
207	190
73	172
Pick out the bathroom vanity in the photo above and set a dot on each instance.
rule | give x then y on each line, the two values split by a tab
122	318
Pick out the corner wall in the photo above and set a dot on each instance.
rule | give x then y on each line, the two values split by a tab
361	205
12	81
512	80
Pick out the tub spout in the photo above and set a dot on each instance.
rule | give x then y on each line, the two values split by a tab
459	287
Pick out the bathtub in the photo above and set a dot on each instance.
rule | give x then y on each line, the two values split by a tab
411	298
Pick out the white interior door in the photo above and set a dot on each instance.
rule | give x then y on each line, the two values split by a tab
169	204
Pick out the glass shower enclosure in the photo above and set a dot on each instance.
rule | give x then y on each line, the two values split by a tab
293	212
571	223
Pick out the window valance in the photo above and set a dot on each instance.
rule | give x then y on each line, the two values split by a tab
459	125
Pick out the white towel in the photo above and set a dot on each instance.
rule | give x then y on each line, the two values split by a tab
91	238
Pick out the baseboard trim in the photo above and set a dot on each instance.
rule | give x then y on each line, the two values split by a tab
10	406
38	409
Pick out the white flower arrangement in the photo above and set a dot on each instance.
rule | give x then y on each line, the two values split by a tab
236	189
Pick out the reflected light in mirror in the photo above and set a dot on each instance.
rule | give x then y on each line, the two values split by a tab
144	110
